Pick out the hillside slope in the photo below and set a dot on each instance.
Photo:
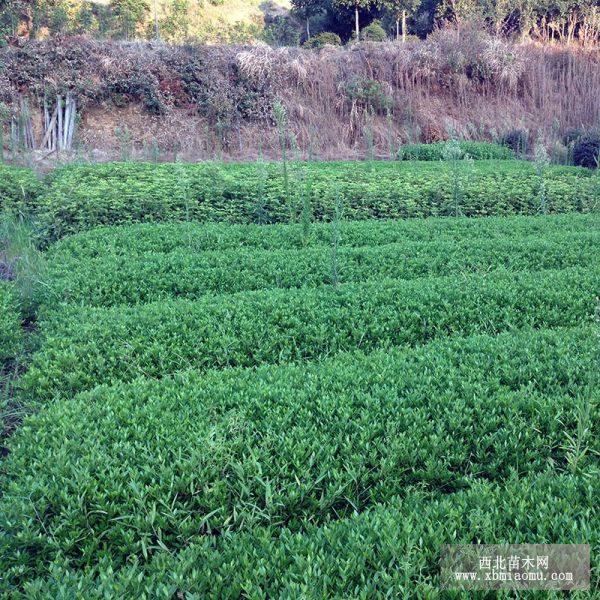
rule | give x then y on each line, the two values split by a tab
158	100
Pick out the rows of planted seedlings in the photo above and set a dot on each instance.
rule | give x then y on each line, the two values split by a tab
112	279
153	465
292	410
83	347
80	197
392	547
131	240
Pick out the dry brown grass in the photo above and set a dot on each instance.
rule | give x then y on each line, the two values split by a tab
469	82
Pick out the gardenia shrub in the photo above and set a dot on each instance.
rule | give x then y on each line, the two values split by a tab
112	279
83	347
84	196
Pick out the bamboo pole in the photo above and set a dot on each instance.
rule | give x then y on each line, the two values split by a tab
53	134
14	134
46	116
59	129
29	126
72	124
67	121
47	140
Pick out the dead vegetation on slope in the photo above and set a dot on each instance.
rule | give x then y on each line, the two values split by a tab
199	101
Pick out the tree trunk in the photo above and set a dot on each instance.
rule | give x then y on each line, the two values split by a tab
403	26
307	28
397	29
356	23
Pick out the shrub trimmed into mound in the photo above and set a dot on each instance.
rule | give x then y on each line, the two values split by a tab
196	237
322	39
84	196
84	347
586	150
160	464
363	556
471	149
124	279
251	437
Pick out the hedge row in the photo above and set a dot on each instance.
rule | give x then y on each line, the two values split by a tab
11	337
389	551
84	196
470	149
84	347
154	464
19	189
197	237
121	279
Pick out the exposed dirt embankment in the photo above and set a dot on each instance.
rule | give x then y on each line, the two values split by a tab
339	103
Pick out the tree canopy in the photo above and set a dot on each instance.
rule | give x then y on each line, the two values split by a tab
183	20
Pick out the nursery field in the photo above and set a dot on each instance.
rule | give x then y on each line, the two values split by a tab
78	197
300	410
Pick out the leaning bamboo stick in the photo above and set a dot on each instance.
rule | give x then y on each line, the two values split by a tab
29	127
30	142
47	140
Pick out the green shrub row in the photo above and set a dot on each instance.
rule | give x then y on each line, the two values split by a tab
470	149
83	347
11	337
197	237
132	469
85	196
389	551
19	189
120	279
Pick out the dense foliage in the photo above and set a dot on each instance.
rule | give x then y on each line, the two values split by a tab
438	150
305	409
19	189
182	20
131	279
10	323
83	347
157	465
141	238
328	560
84	196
